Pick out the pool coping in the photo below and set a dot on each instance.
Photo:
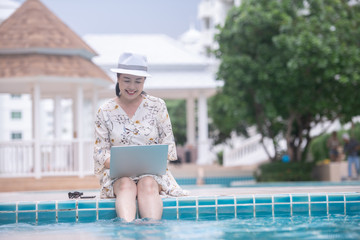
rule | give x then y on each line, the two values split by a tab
215	205
204	190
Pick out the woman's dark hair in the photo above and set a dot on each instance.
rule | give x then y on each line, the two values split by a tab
117	89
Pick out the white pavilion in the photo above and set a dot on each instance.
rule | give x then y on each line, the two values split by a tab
42	57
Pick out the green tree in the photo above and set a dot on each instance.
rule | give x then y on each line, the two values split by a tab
287	66
177	113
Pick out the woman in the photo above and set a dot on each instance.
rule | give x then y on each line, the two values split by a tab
134	118
333	144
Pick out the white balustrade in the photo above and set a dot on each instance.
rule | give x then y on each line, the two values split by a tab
248	152
57	158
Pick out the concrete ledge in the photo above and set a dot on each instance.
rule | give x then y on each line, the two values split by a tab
48	183
334	171
194	171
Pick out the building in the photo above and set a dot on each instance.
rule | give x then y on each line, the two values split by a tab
53	73
212	13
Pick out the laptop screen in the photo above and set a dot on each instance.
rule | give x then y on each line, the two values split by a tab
130	161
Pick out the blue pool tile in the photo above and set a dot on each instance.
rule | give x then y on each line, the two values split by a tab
107	214
336	208
187	213
226	212
336	198
263	210
7	207
87	215
108	203
187	202
244	199
282	210
67	205
300	209
206	201
47	217
26	206
245	211
207	213
352	208
7	218
282	198
27	217
300	198
87	204
169	202
66	216
317	198
169	214
186	181
263	199
47	205
225	201
352	197
318	209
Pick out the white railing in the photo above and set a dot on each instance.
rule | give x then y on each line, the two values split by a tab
57	158
248	152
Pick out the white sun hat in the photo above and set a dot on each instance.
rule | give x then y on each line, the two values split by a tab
133	64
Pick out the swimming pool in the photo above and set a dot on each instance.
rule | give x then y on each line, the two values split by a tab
301	227
214	213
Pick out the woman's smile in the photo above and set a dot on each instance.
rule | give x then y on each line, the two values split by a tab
131	92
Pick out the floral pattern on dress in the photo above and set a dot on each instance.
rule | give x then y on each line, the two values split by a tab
149	125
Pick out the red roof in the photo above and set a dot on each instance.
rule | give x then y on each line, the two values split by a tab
33	25
34	42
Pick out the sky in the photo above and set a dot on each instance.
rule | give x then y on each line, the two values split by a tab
171	17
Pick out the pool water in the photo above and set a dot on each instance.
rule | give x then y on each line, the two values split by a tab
299	227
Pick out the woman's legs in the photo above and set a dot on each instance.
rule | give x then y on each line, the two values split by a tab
149	200
125	192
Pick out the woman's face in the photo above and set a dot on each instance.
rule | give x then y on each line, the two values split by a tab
130	86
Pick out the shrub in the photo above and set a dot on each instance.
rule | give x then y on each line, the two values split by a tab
284	172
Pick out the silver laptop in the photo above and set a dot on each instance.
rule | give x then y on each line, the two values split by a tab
129	161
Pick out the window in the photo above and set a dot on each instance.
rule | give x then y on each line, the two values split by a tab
207	23
16	115
15	96
16	135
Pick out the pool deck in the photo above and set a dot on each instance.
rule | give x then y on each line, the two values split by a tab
194	192
57	188
74	183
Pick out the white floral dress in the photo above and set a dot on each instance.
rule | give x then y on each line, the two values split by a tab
149	125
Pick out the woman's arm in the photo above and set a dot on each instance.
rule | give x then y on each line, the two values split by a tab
102	144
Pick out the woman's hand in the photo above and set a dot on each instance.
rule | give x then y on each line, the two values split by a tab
107	163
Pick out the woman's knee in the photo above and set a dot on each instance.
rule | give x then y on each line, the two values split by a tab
148	185
124	184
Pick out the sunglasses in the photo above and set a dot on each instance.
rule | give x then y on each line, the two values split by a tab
73	195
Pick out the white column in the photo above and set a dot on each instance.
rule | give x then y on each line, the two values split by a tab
190	121
203	141
79	129
74	117
57	118
95	104
36	122
59	161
